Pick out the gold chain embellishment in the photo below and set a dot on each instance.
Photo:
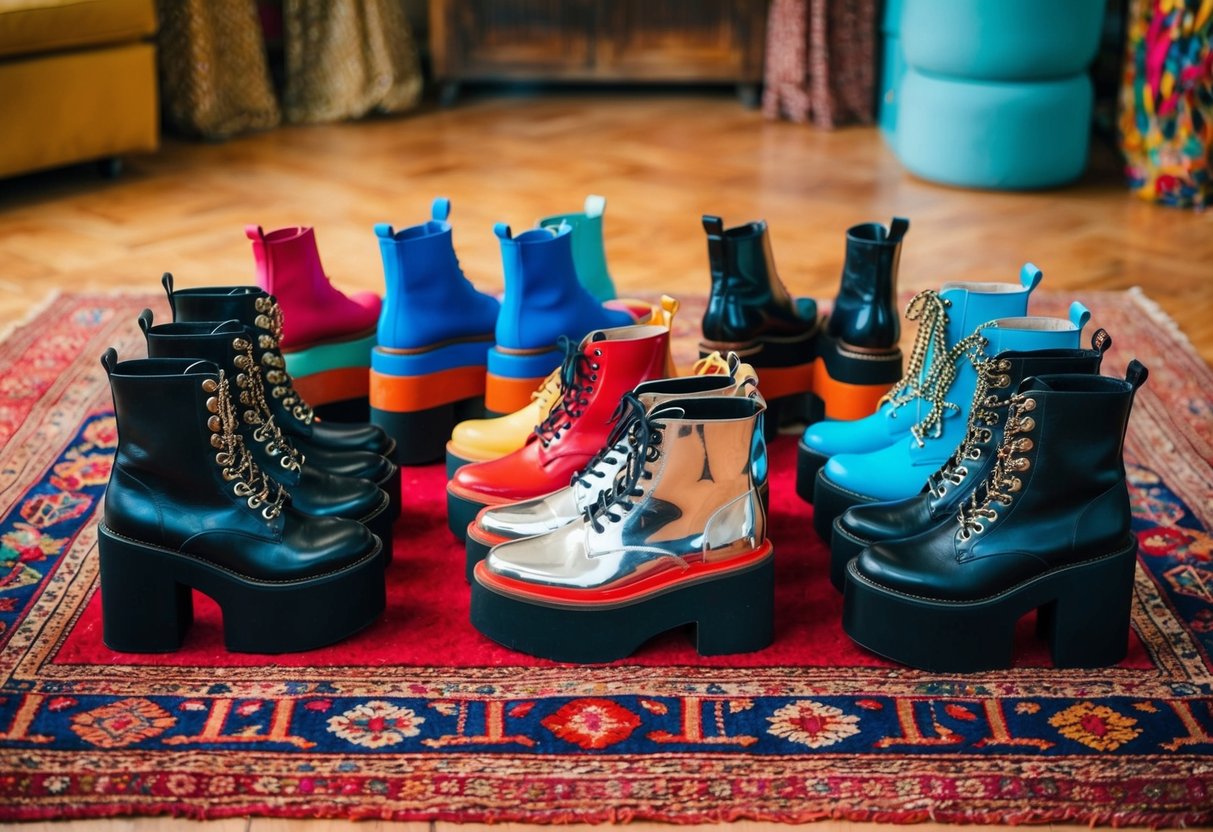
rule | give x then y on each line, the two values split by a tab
1002	484
931	312
236	462
252	396
269	318
991	373
939	379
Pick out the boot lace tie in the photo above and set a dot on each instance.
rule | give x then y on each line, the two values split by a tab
235	462
644	436
578	372
269	319
991	375
618	443
257	409
1003	482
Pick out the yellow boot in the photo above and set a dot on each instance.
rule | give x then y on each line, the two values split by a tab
476	440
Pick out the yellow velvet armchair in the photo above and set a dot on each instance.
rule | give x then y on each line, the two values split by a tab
77	81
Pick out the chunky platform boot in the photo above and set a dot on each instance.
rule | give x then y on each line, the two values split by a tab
682	540
947	488
543	301
901	469
1047	530
187	507
428	370
313	491
478	440
589	253
944	318
499	524
751	313
858	359
596	375
327	336
344	448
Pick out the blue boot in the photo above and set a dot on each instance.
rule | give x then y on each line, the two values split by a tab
435	331
543	301
900	469
944	318
589	253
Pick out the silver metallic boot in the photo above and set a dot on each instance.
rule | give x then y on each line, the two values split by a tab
726	376
680	538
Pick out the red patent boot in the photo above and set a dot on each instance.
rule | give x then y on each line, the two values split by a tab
595	376
327	336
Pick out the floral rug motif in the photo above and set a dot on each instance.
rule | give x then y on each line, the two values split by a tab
419	718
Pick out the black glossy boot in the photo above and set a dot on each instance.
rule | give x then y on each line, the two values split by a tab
751	313
858	356
947	489
313	491
343	448
1047	530
188	507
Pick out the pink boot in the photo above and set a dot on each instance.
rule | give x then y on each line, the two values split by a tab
327	336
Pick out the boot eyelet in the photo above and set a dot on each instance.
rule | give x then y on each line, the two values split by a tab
214	424
241	489
212	404
269	513
254	502
209	385
1029	404
1027	424
597	352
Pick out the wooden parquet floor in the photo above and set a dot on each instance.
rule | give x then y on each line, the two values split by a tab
662	160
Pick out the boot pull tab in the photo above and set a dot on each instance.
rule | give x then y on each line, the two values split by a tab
502	230
897	229
1136	374
166	280
713	225
384	230
440	209
1101	341
254	233
109	360
145	320
1030	276
595	205
1079	315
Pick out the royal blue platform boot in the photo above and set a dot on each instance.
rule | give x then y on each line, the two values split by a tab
944	318
902	468
434	334
543	300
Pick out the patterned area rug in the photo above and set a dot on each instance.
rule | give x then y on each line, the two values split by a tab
421	718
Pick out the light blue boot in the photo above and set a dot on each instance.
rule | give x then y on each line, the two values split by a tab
589	253
944	318
899	470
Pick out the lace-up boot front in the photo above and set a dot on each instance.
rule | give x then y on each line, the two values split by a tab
188	507
1047	530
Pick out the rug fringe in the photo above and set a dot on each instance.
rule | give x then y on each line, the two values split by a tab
1160	317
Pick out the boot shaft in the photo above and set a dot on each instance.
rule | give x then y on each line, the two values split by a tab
697	475
216	303
428	299
865	310
589	252
288	260
1060	473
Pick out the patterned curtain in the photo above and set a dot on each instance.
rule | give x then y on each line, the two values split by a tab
214	77
821	61
1166	117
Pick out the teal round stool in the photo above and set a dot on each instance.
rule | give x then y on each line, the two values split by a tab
988	134
1001	40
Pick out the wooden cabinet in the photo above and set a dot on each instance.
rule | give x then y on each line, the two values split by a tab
718	41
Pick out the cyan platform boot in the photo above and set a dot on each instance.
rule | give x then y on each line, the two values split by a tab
543	300
434	334
944	318
902	468
589	253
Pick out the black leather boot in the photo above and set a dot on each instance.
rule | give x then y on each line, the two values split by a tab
260	312
188	507
751	313
948	488
342	448
858	356
1047	530
313	491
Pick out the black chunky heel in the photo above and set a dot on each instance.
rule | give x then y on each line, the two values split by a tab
1088	624
143	608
